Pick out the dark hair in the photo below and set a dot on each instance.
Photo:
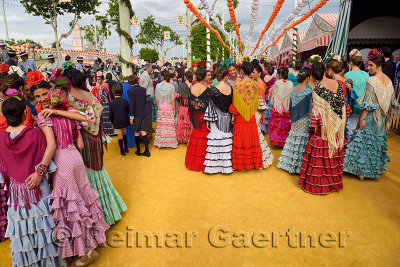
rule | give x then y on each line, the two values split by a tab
379	61
270	69
335	65
42	84
67	58
304	73
298	65
99	60
100	76
133	79
221	73
2	76
181	73
247	68
356	60
77	78
260	70
12	81
284	73
318	70
189	76
201	73
233	65
255	62
13	110
166	75
386	52
108	76
117	90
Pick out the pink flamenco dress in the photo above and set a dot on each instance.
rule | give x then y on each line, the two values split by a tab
76	210
279	121
322	169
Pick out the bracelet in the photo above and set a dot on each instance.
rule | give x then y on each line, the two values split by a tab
41	170
362	119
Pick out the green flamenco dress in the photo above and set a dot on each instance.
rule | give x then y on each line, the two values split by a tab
92	154
367	153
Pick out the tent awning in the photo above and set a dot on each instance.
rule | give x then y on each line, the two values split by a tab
320	41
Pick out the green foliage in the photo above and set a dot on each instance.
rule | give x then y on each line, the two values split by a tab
102	31
152	33
149	55
199	44
113	12
24	41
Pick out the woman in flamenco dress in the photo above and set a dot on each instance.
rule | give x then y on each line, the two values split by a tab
322	168
367	154
92	153
198	102
183	125
246	149
279	121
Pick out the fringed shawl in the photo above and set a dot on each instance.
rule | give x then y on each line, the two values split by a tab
300	103
280	95
18	158
376	93
330	107
198	104
245	98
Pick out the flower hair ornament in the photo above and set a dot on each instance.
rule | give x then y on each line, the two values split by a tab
373	53
314	59
227	63
165	68
99	73
12	92
34	78
245	58
4	68
55	73
16	70
355	52
201	64
62	82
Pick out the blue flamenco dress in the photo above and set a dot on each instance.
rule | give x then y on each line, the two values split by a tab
367	153
292	154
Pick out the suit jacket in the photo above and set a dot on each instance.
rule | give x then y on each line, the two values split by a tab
146	82
390	70
119	110
137	101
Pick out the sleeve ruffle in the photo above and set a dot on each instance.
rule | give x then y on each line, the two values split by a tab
366	101
42	121
233	110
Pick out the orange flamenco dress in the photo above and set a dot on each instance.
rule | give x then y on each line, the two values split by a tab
246	149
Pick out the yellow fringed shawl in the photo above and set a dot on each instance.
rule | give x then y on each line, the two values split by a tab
333	126
245	98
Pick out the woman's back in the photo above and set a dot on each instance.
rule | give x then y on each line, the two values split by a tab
165	93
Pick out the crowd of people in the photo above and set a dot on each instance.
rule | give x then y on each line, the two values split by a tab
56	198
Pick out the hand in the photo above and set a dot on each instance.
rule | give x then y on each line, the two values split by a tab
131	122
48	112
362	124
233	120
33	180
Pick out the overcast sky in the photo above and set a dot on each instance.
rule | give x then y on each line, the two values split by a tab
22	25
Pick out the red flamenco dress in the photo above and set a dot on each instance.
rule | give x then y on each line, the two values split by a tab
197	146
322	169
246	149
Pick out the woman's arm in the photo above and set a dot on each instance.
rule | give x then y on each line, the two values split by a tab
79	141
68	114
34	179
364	114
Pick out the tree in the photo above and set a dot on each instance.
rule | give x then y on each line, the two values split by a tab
152	33
149	55
199	44
102	23
50	10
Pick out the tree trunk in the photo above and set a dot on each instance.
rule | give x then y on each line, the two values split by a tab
126	49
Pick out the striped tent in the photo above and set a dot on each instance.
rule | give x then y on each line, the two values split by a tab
338	43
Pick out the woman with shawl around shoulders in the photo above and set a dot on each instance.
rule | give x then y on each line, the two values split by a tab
183	125
92	152
300	105
246	149
165	99
322	168
102	92
199	96
279	121
367	153
359	79
269	80
25	161
258	76
219	122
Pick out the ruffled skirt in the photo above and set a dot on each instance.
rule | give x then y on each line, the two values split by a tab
3	212
367	153
77	212
196	149
279	127
165	133
321	173
291	157
183	126
30	232
110	201
108	128
219	148
267	156
351	125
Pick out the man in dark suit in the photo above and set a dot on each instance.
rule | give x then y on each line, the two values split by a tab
390	67
137	112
